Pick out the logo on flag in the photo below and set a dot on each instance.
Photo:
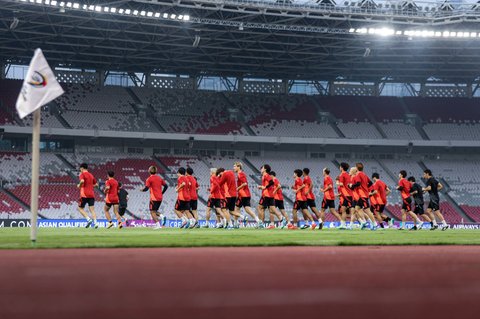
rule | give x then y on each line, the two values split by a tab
40	86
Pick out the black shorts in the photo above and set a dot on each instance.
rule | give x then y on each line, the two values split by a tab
214	203
155	205
311	203
110	204
279	204
86	201
419	209
363	203
230	203
379	208
266	202
193	204
182	205
407	204
328	203
243	202
434	204
300	205
346	202
122	210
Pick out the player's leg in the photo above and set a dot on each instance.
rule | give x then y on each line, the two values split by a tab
106	211
309	216
250	212
117	214
91	208
81	209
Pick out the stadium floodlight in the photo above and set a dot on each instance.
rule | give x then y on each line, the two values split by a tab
165	15
173	16
127	11
69	5
106	9
351	30
453	34
143	13
446	34
135	12
91	7
157	14
47	2
438	34
62	4
149	14
186	18
113	10
39	1
473	34
53	3
31	1
180	17
98	8
398	32
385	32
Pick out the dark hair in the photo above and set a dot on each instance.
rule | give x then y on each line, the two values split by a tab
403	173
111	173
298	172
181	171
189	170
327	170
267	168
152	170
344	166
411	179
306	171
120	184
359	166
220	170
272	173
84	165
375	175
429	172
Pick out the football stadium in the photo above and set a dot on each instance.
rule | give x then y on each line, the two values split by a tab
239	158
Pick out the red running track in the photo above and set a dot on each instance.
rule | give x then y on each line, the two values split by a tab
283	282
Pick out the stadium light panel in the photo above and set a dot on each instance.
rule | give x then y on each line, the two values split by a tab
106	9
62	4
180	17
98	8
186	18
157	14
135	12
446	34
91	7
173	16
31	1
121	11
473	34
76	5
165	15
127	11
39	1
47	2
149	14
453	34
143	13
113	10
69	5
398	32
352	30
53	3
438	34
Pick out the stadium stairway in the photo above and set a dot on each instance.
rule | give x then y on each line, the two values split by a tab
418	126
150	111
19	201
242	119
371	118
331	123
254	169
459	210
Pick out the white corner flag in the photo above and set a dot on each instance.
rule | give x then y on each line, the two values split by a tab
39	88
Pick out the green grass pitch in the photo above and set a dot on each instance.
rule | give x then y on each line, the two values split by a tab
19	238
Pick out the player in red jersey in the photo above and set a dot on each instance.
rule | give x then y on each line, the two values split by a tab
345	194
328	201
358	213
404	187
311	197
267	200
215	200
378	193
182	206
279	201
227	180
111	199
157	187
363	189
193	196
87	195
300	202
244	196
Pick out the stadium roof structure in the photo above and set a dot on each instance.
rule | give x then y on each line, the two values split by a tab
367	40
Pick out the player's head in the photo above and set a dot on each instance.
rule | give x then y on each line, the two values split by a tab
344	167
220	171
411	179
306	171
326	171
120	185
237	167
83	167
272	173
213	171
359	167
297	172
427	173
189	171
353	171
111	174
152	170
181	171
402	173
375	176
265	169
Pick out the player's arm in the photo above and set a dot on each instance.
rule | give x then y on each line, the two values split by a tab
241	186
353	186
373	192
277	188
440	186
300	188
165	187
388	191
427	188
179	187
82	181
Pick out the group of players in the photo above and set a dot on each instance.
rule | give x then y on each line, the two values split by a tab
360	198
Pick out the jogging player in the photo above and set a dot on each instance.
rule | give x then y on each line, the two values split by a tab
433	186
154	184
87	196
111	199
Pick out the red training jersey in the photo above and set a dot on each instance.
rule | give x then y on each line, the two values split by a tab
330	194
345	179
184	193
112	192
374	198
242	179
406	187
308	182
215	188
228	179
193	187
363	189
279	193
268	191
86	189
381	188
300	196
356	194
155	183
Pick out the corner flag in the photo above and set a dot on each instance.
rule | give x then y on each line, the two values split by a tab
39	88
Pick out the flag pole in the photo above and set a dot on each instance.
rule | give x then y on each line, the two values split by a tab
35	174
